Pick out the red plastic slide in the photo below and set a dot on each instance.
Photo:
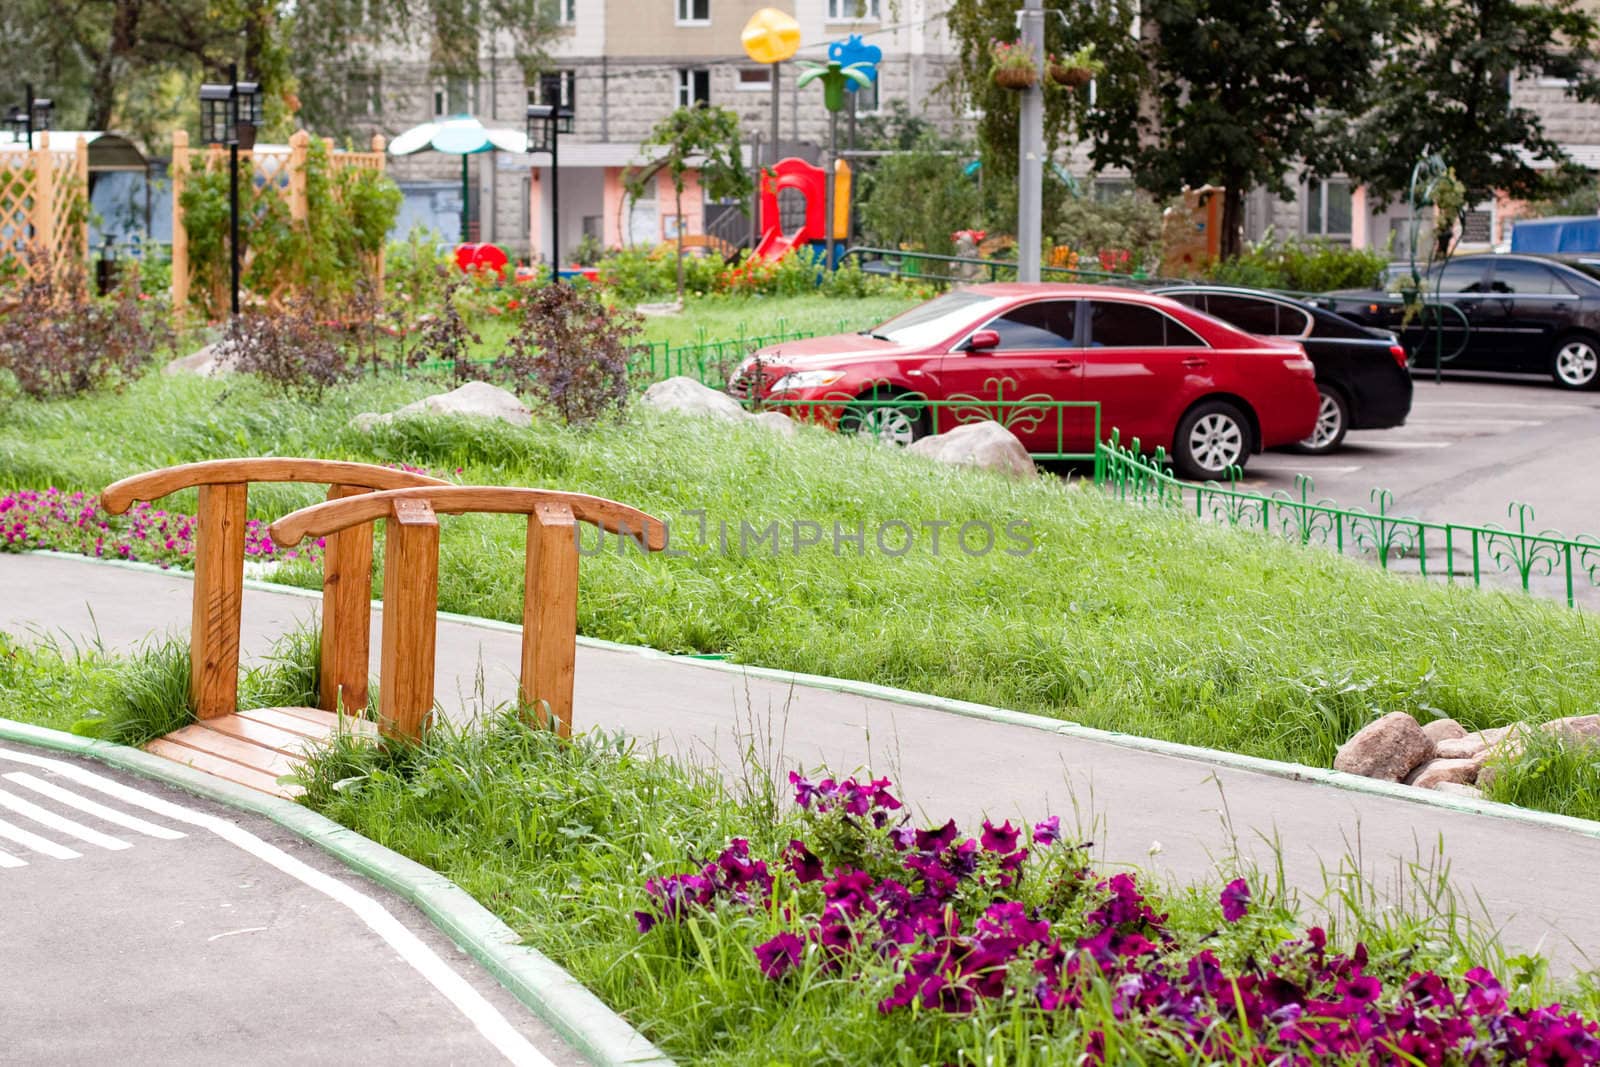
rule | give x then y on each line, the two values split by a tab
774	245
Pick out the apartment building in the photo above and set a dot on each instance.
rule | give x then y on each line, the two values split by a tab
624	65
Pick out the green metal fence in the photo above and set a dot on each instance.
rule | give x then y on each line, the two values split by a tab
929	266
893	416
1447	550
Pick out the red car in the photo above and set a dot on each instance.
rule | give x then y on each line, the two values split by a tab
1161	372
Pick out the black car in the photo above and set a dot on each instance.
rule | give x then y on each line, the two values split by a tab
1361	372
1518	313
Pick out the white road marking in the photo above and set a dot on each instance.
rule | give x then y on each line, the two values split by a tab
99	811
1472	423
30	810
1498	405
230	933
1407	444
1306	468
467	1000
8	860
41	845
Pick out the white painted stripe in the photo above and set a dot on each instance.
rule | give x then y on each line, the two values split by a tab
1472	422
8	860
1571	409
1303	468
43	846
1406	444
467	1000
60	823
99	811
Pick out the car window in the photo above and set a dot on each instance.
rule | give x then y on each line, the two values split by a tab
1045	324
1293	321
1525	277
1328	324
1188	298
1113	324
1459	276
936	320
1245	313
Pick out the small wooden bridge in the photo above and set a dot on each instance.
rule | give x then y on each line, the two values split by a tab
257	747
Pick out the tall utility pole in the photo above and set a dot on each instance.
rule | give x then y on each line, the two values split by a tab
1030	154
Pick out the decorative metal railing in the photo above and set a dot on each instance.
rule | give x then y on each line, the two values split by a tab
1447	550
891	415
930	266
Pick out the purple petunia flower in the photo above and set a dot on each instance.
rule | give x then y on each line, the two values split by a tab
780	955
1235	900
1000	838
1047	831
802	863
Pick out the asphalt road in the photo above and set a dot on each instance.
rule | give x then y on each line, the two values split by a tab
143	925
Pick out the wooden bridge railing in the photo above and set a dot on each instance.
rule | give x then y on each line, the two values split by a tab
219	545
411	585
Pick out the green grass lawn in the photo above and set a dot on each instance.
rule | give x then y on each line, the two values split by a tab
1121	618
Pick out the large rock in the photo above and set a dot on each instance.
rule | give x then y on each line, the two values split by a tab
1390	748
689	397
986	445
1576	730
1436	772
777	422
1444	730
473	400
1456	789
1461	747
207	362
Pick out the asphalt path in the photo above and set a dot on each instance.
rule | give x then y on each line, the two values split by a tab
1177	816
143	925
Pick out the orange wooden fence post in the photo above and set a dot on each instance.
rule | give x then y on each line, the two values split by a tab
550	617
219	596
410	618
346	613
180	231
42	212
378	146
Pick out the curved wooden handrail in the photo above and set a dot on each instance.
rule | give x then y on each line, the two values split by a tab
153	485
320	520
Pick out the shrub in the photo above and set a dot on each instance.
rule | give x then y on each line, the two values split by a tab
571	352
293	348
58	341
1305	266
917	199
417	270
635	274
1120	234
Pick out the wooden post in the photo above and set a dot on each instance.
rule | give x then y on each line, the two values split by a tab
80	177
410	618
42	213
219	279
180	233
346	613
299	143
550	617
379	145
218	598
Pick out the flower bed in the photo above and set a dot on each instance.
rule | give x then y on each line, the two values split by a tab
930	920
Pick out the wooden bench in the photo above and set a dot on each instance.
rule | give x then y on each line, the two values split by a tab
256	747
411	585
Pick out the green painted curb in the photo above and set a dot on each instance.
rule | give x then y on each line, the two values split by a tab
1295	772
576	1014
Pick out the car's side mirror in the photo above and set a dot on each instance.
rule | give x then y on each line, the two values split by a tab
983	341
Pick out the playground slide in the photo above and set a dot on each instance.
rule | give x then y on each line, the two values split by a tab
774	245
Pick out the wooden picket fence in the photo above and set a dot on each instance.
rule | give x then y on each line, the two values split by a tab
44	216
274	168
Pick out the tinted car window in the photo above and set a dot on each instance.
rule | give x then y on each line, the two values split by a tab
932	322
1327	324
1460	276
1188	299
1246	313
1525	277
1117	325
1047	324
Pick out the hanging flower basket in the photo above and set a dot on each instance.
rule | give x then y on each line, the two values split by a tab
1014	67
1070	77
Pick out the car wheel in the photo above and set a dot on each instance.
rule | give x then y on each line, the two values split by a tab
1575	363
1212	437
1333	419
888	423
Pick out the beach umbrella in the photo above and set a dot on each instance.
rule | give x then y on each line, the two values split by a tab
458	135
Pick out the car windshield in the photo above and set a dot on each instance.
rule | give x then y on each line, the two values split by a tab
939	318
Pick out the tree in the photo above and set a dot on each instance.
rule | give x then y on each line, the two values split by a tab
1445	87
1229	92
919	197
706	139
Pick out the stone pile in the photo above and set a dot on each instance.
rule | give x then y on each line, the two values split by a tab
1443	755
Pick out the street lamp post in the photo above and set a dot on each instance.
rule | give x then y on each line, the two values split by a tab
547	121
230	114
30	117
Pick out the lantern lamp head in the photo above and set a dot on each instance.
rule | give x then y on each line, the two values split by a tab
215	117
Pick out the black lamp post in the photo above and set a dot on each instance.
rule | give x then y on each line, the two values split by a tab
547	121
32	115
230	114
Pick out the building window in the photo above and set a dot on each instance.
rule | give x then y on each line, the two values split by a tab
1328	207
569	80
853	10
867	101
694	88
753	78
693	12
365	94
452	99
1107	189
566	12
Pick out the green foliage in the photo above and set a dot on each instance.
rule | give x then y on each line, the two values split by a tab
632	275
1089	226
1445	86
1302	266
571	353
417	270
1548	774
918	198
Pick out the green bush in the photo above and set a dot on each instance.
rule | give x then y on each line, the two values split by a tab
636	274
1302	266
917	199
1127	223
